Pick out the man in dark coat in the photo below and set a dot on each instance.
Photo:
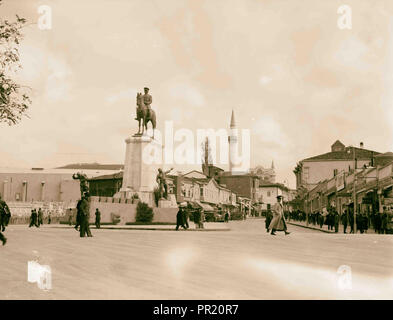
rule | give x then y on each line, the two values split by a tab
365	222
344	220
180	219
321	219
185	217
351	221
269	218
78	219
359	222
197	216
5	215
384	222
336	218
98	218
84	208
40	217
329	219
33	219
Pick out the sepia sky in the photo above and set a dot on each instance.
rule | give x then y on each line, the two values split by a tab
293	78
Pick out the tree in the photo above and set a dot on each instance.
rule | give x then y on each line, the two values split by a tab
14	101
144	214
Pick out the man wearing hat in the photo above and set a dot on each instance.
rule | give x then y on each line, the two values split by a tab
278	221
84	207
147	100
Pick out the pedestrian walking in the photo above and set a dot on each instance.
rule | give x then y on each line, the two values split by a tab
33	219
5	215
40	217
197	218
202	219
78	215
328	221
98	219
344	220
278	221
351	221
378	222
384	222
336	218
268	220
226	218
359	223
185	217
84	208
180	219
321	220
365	222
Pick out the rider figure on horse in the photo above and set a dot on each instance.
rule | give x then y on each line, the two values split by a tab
147	100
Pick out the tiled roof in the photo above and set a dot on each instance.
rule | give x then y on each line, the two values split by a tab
94	166
386	154
118	175
360	154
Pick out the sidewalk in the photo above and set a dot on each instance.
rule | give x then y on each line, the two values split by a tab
325	227
208	226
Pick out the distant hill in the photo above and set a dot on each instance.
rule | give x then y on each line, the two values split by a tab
92	166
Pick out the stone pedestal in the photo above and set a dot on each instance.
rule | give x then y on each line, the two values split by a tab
139	171
164	203
168	203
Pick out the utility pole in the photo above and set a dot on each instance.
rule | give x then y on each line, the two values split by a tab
354	192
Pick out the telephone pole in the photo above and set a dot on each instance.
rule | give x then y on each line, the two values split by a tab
354	191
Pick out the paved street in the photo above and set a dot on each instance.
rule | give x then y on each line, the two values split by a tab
244	263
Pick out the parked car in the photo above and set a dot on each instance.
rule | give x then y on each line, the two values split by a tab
210	216
220	217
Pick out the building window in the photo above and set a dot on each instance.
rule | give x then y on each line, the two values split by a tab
335	172
268	193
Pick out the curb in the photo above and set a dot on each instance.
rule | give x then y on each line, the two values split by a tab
303	226
147	228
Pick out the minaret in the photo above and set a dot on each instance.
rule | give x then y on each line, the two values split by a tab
232	140
273	173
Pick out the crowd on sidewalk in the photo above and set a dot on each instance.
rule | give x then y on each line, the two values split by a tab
379	222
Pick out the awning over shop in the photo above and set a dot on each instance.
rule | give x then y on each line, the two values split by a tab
330	192
229	205
205	206
344	194
194	204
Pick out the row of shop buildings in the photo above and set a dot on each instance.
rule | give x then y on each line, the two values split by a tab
350	177
214	190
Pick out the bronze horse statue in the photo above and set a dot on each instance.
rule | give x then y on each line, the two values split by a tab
145	115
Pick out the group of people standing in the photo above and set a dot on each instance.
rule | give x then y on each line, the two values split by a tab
331	218
183	215
37	218
83	216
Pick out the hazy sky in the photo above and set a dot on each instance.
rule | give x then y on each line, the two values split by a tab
292	76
